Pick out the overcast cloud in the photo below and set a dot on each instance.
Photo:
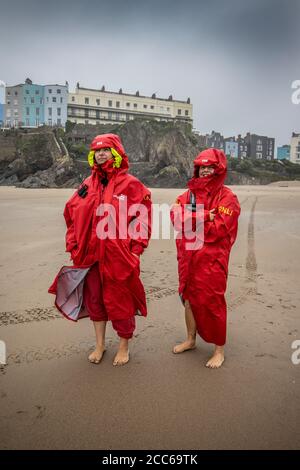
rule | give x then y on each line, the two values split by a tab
235	59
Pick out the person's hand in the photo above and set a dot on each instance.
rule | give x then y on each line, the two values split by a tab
212	215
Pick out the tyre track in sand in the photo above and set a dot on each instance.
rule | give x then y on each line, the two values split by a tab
45	314
250	286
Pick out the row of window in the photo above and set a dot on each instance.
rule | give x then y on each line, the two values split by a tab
117	104
9	102
58	91
110	104
130	118
243	149
258	155
32	101
57	109
37	111
54	99
8	113
135	106
36	122
51	122
99	114
89	113
179	112
110	117
37	92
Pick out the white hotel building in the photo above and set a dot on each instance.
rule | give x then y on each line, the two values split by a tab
295	148
89	106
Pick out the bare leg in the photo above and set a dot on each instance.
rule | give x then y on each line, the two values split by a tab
96	356
122	356
190	342
217	359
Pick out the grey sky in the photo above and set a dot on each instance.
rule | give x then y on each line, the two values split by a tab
236	59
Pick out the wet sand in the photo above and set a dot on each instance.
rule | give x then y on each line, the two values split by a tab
52	398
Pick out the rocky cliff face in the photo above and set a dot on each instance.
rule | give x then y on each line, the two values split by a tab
161	154
35	159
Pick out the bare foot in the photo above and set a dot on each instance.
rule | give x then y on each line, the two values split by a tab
96	356
122	356
217	359
185	346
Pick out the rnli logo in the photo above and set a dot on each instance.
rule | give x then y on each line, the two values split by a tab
204	160
225	210
99	143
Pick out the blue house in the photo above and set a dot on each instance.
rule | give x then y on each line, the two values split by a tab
1	114
33	105
283	152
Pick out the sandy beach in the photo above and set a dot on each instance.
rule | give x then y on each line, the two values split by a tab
52	398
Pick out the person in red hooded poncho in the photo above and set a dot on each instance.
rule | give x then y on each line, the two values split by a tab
108	227
203	271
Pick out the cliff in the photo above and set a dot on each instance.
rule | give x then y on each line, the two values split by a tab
34	159
161	154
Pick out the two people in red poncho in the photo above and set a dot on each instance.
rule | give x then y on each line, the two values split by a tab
108	227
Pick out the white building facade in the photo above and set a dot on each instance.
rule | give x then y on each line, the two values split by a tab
295	148
90	106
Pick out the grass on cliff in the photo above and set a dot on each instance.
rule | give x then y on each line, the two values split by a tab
265	168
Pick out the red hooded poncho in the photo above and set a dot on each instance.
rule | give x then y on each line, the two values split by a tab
118	267
203	272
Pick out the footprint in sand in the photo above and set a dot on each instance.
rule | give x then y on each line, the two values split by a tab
266	355
41	411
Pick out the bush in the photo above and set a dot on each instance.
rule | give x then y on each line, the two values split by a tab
70	126
80	151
